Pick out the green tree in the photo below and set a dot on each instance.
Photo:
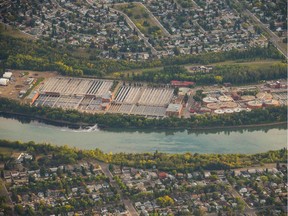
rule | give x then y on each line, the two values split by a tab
165	201
111	167
176	91
185	99
19	209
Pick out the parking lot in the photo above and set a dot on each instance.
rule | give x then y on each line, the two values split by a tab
20	81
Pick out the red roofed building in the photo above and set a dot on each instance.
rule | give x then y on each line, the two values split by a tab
162	175
177	83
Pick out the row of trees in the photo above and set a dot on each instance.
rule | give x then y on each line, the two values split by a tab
244	74
20	61
43	56
236	74
208	58
187	162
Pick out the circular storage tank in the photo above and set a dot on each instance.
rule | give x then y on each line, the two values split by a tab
213	106
238	110
269	103
264	96
228	105
254	104
225	98
229	111
207	100
219	111
247	97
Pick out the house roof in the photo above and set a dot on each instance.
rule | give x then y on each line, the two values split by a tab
162	175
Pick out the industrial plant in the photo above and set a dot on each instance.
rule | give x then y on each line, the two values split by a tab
95	95
226	101
108	96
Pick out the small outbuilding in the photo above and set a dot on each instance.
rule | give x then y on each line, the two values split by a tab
4	82
7	75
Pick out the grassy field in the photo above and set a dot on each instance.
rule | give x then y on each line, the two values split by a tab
141	18
13	32
251	64
7	151
258	64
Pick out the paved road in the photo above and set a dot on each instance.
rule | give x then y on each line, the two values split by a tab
4	192
140	34
132	26
248	210
195	4
272	36
200	27
186	111
127	202
265	166
156	20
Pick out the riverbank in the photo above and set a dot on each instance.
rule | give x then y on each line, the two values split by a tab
60	123
261	117
77	125
244	126
166	161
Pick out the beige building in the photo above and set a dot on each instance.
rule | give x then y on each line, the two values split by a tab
174	110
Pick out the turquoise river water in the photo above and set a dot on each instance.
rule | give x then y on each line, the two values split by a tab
252	140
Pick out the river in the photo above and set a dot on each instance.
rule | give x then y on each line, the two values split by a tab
252	140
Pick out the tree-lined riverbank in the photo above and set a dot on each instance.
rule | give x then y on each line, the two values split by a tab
255	117
163	161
